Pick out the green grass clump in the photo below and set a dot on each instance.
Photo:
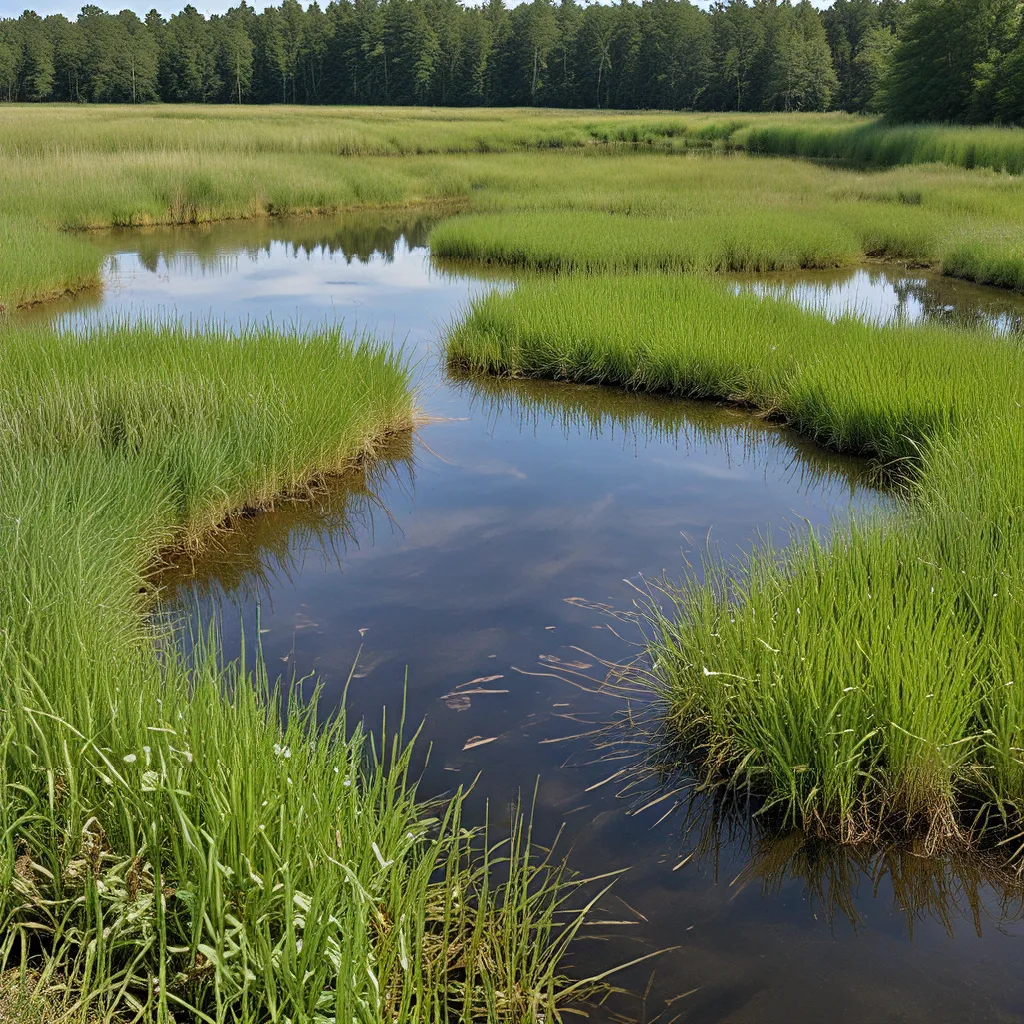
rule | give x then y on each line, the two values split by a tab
739	213
719	235
875	142
872	686
171	842
997	259
757	241
38	264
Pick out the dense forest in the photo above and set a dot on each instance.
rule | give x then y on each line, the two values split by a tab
953	60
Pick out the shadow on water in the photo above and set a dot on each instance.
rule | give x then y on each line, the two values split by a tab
729	837
635	421
485	569
258	553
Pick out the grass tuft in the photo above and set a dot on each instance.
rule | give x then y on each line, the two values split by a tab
872	687
186	839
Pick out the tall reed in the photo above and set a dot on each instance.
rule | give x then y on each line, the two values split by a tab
875	142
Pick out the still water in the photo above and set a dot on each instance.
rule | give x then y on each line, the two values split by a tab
485	573
888	294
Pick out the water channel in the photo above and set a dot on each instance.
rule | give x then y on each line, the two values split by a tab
481	572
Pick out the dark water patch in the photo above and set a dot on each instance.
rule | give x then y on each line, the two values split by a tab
483	574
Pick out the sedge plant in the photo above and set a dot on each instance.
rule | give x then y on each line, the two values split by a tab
182	840
870	686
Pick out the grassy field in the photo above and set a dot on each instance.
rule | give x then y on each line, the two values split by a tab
64	169
871	688
168	843
32	130
740	213
873	142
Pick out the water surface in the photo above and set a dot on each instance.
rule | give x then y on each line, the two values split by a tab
485	571
890	294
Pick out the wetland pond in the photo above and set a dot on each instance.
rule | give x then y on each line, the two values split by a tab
488	562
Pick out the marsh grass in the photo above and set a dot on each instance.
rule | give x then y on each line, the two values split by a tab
185	841
866	688
38	264
875	142
66	170
589	242
739	213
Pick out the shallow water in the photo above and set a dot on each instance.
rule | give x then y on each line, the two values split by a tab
504	549
890	294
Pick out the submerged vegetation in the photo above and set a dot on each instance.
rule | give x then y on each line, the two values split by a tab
873	686
171	842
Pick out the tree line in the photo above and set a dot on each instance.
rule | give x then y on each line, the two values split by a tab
955	60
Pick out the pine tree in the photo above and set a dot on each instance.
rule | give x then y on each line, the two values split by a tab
1009	98
236	52
872	68
596	37
68	57
189	67
37	69
313	53
10	60
935	65
739	43
847	24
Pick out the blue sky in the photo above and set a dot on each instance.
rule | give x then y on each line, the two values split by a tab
12	8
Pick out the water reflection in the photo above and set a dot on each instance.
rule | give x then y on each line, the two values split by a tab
358	238
634	421
886	294
260	552
960	892
493	547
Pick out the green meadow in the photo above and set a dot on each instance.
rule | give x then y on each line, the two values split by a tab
185	836
64	171
741	213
